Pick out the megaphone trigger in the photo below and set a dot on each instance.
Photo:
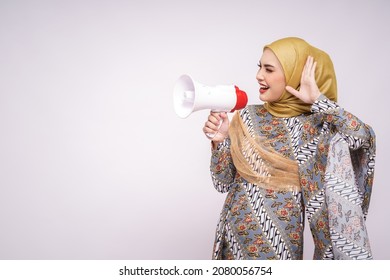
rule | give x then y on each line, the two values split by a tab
210	136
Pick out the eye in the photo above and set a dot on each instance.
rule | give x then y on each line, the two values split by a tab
259	65
268	70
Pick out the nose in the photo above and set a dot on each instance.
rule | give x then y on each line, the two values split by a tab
259	75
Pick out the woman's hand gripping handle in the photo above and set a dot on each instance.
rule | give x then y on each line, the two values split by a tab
216	127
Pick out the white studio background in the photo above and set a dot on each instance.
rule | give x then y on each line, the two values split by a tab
94	163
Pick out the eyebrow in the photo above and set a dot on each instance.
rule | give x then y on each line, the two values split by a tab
267	65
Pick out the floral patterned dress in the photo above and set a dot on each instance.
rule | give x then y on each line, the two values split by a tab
259	223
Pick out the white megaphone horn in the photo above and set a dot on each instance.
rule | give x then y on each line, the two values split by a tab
190	96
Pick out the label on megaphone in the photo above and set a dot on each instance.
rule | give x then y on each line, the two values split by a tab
190	96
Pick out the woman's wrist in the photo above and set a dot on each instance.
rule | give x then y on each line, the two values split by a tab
217	144
214	144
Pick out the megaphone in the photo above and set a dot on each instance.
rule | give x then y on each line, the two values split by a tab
190	96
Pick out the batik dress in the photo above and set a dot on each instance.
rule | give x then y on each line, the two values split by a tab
261	223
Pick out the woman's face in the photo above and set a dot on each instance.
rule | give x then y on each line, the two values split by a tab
270	77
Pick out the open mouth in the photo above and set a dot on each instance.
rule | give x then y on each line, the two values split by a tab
263	89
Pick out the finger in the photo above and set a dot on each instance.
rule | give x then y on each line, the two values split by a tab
304	71
309	65
215	119
223	115
208	130
307	68
313	69
311	59
313	66
215	114
212	125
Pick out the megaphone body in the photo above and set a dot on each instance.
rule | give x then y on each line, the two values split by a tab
190	96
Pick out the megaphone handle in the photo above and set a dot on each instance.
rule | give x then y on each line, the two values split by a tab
212	135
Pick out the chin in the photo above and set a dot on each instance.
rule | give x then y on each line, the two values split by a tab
263	98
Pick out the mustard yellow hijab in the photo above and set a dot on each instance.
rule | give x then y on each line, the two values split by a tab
292	53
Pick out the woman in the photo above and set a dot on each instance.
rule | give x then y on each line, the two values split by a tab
297	153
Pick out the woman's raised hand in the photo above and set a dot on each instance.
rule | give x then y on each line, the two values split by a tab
308	91
217	126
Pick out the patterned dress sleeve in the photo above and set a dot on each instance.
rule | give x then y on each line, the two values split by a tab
221	167
360	138
356	133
